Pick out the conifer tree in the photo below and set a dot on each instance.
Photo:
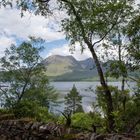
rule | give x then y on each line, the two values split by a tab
73	101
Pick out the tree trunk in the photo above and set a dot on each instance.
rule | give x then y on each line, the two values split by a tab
123	84
120	59
106	90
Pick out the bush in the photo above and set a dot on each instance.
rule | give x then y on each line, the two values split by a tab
31	109
82	120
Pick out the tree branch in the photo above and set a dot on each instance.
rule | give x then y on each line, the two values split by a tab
119	13
22	93
79	21
44	1
5	92
104	35
133	79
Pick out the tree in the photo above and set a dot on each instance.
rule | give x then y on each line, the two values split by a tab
73	105
89	20
116	65
86	22
120	105
24	77
73	101
117	41
133	33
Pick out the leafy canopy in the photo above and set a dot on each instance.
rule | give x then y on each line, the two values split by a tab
24	77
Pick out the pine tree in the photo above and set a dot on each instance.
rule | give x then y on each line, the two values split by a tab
73	101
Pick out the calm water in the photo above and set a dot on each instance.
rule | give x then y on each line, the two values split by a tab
86	89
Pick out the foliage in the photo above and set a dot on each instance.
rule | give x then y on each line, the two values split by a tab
31	109
5	111
93	18
133	33
118	97
26	86
82	120
116	69
61	120
73	101
126	108
36	6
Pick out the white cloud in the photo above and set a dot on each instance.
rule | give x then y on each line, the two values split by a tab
64	50
102	53
11	23
13	26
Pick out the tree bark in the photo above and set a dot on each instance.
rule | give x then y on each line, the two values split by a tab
106	90
123	83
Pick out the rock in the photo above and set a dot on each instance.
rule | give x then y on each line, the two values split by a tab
25	130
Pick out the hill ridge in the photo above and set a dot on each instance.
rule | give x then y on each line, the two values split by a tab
68	68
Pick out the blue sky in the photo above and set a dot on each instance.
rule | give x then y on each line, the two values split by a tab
14	30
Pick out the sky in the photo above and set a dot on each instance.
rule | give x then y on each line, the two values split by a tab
14	30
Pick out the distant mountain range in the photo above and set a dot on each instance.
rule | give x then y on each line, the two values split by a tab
67	68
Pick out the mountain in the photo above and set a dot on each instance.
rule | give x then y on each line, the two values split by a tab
87	64
68	68
57	65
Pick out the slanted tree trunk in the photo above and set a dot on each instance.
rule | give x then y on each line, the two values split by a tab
106	90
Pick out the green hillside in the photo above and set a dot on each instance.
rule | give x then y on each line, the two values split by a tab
67	68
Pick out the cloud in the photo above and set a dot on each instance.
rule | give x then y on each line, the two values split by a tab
13	27
103	54
11	24
65	50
